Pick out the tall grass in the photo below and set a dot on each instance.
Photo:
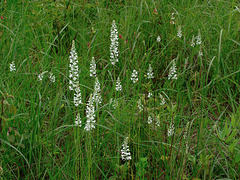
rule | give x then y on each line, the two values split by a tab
39	137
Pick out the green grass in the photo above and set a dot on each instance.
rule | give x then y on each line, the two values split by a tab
39	139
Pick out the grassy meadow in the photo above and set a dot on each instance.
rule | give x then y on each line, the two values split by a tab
179	121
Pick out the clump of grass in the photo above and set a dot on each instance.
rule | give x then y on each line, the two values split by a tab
163	82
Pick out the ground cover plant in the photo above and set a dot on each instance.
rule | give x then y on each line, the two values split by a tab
119	89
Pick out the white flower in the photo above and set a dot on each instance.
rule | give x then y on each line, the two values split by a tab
73	72
187	147
114	44
73	76
150	94
40	77
90	113
77	96
172	19
140	106
12	66
97	90
78	121
198	41
192	42
200	53
150	72
173	71
163	102
158	121
93	71
179	33
118	85
171	130
150	119
114	103
51	77
125	152
158	39
134	77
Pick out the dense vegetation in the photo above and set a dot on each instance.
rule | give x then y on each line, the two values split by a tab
180	121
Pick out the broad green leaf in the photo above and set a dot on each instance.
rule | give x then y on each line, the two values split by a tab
220	135
233	121
226	130
232	135
237	158
232	146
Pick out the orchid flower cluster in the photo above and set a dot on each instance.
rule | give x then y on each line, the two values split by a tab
90	113
173	71
171	130
179	33
78	121
93	71
134	77
74	76
73	72
96	97
198	40
97	90
114	44
118	85
125	152
140	106
150	72
150	120
51	76
12	66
